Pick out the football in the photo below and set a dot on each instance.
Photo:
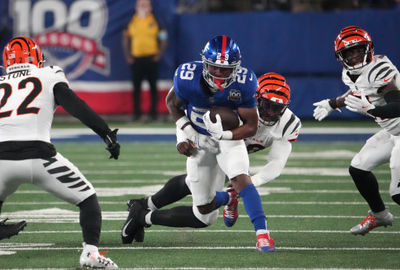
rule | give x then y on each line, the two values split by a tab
229	118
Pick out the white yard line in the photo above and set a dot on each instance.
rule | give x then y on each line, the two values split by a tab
186	203
213	248
202	268
211	231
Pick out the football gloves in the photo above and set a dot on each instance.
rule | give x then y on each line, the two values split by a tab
322	110
215	129
358	104
112	144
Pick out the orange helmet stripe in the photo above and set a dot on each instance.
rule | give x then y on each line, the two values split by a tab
274	87
22	50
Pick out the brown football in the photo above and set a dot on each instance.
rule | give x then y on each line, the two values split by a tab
229	118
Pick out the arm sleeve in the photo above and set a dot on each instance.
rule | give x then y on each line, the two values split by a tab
79	109
391	109
277	157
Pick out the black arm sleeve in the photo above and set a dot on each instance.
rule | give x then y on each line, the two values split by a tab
391	109
79	109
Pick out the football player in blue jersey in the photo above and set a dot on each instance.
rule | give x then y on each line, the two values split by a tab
218	80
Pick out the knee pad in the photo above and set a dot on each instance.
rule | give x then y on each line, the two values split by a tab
207	219
396	198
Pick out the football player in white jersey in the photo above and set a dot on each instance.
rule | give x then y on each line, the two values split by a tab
30	93
374	90
278	127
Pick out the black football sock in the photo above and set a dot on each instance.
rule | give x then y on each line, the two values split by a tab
1	205
90	220
174	190
367	185
180	216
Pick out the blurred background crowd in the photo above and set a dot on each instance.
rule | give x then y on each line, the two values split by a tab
98	45
288	5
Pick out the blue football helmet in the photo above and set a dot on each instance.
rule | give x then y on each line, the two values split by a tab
221	61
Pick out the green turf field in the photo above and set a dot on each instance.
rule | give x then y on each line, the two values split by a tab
310	209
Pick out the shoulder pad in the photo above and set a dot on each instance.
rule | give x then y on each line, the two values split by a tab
382	71
291	125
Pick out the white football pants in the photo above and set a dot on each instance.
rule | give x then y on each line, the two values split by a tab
56	175
379	149
206	171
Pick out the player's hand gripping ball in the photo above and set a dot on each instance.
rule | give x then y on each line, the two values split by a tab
229	118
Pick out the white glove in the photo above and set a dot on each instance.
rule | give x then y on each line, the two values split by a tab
209	144
358	105
215	129
322	110
185	131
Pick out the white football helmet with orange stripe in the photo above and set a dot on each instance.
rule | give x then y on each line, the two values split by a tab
273	97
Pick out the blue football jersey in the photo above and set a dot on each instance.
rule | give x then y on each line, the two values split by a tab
187	86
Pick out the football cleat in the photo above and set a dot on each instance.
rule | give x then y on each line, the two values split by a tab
230	212
139	236
132	225
265	243
95	259
8	230
372	221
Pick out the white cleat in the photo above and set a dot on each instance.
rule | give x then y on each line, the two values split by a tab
373	220
92	258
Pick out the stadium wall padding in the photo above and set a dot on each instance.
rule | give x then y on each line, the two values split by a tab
297	45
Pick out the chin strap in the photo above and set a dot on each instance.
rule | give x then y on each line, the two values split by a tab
219	83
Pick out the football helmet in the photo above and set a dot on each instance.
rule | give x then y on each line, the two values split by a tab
21	50
354	48
221	61
273	97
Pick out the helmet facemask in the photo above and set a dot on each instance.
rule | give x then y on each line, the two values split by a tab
269	111
221	61
225	77
356	56
354	48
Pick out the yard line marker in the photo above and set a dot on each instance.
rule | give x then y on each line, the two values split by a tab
149	190
212	231
214	248
186	203
208	268
58	215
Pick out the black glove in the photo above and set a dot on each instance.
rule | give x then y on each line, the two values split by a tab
112	144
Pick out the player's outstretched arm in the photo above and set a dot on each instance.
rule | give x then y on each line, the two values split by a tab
277	157
78	108
324	107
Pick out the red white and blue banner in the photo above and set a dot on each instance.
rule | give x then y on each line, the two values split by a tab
84	37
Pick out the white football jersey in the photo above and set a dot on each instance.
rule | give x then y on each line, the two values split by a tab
375	75
27	102
287	128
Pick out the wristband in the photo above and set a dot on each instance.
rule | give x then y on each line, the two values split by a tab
182	122
333	103
227	135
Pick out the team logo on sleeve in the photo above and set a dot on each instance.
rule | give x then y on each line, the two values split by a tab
235	95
